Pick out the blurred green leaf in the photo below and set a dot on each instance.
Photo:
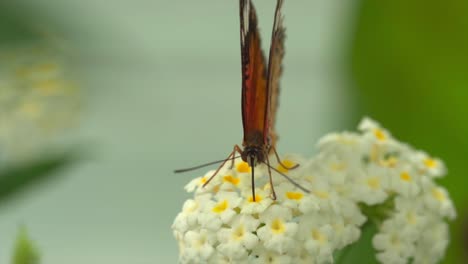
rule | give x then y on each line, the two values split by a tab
16	179
409	61
14	25
25	251
362	251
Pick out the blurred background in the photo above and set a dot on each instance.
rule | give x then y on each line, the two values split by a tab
101	101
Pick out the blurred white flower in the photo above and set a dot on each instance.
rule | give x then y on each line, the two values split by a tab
432	244
395	245
199	245
262	201
278	232
38	101
437	199
237	239
354	177
371	185
219	211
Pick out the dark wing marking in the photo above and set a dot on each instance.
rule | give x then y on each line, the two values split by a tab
274	71
254	83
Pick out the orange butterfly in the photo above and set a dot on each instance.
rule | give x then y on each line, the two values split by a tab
260	88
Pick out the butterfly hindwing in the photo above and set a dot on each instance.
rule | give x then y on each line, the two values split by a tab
274	71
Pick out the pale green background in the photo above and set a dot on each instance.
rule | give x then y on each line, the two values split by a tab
161	82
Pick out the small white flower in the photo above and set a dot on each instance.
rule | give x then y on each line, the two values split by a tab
373	130
395	246
278	232
405	182
296	199
346	145
411	213
327	198
437	199
197	184
432	245
199	246
367	124
238	238
370	185
433	167
262	255
218	258
261	203
304	258
336	168
188	217
219	211
347	225
318	237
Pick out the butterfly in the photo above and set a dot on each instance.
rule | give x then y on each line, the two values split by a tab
260	90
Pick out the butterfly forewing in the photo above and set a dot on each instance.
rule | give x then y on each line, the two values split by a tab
254	78
275	70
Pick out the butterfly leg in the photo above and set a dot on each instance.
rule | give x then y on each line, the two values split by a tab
238	150
219	168
280	163
230	157
273	193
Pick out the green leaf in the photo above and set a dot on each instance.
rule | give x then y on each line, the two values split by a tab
16	179
409	61
360	252
25	251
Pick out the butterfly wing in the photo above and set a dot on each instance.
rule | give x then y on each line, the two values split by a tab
274	71
254	81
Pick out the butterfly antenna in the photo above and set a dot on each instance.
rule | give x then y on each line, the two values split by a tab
202	165
293	182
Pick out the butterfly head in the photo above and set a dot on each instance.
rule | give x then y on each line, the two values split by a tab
253	155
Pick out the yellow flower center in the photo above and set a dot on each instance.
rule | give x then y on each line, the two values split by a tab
287	163
220	207
277	226
47	67
258	198
318	236
192	208
203	180
379	134
231	179
338	166
438	194
373	183
405	176
395	240
48	87
294	195
31	109
374	153
389	162
430	163
309	178
243	167
200	242
322	194
238	233
411	217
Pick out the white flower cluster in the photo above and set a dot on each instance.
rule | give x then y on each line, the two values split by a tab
36	100
223	223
